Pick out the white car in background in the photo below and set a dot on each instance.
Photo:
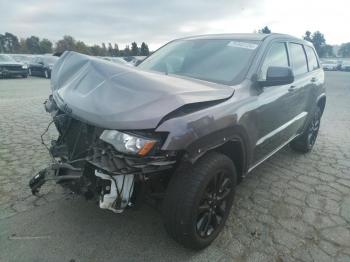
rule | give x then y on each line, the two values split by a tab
345	66
329	65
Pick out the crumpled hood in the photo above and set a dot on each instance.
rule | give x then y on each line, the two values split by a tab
115	96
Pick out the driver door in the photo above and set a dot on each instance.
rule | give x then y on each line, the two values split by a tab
274	114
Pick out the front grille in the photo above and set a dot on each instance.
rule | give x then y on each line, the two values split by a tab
76	135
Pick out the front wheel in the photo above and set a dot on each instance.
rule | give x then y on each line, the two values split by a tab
305	142
198	200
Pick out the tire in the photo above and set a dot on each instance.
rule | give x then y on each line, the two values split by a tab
306	141
24	76
193	214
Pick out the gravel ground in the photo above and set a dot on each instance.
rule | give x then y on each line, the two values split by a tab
291	208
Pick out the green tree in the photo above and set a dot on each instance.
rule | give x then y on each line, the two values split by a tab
104	50
116	51
33	45
134	49
66	44
327	51
81	47
96	50
110	49
319	41
344	50
9	43
45	46
126	51
307	36
2	49
23	47
144	51
265	30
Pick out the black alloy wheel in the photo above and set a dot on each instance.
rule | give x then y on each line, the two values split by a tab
313	129
198	200
213	207
306	141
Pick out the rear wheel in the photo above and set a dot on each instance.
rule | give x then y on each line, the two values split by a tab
305	142
198	200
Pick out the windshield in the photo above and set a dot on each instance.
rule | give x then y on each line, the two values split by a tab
215	60
6	58
50	59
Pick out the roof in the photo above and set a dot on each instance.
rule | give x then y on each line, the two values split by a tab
246	36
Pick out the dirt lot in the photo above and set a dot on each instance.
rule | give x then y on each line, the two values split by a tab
292	208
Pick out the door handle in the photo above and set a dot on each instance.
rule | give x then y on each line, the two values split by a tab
291	88
313	80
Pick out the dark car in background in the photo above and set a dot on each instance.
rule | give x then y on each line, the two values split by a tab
184	127
11	68
42	65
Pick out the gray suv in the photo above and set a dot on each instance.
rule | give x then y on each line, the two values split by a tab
184	127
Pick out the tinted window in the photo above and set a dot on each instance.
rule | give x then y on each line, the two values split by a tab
277	56
297	56
216	60
311	57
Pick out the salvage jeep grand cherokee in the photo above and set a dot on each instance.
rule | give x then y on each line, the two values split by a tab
184	127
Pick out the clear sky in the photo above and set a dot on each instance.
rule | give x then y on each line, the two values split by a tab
158	21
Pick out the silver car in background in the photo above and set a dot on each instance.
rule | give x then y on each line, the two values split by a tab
329	65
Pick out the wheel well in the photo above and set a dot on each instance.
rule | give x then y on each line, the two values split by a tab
234	150
322	103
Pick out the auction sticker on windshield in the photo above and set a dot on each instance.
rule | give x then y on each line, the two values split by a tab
242	45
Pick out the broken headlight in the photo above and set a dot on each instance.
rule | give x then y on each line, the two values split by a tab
128	143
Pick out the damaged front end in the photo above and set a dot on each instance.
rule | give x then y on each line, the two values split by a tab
109	116
116	168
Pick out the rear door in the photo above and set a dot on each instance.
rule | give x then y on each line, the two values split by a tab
316	77
301	89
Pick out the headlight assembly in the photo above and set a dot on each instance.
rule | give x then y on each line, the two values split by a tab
127	143
24	66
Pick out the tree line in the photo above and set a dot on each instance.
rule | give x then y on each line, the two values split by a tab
319	41
11	44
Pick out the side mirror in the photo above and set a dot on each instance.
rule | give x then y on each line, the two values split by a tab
278	75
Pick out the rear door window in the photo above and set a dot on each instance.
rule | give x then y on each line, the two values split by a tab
277	56
298	59
311	58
